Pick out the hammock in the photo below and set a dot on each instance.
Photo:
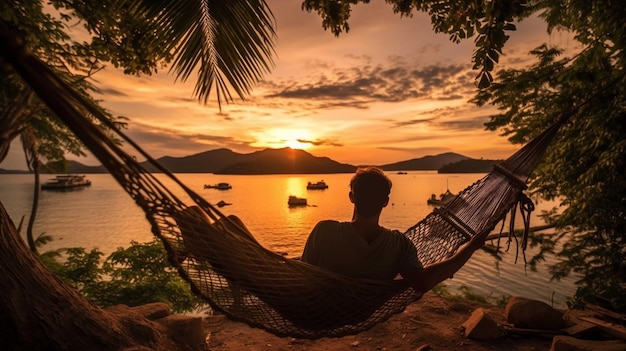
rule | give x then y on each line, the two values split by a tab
226	266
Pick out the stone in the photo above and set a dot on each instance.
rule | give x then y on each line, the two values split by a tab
480	326
532	314
185	330
568	343
153	310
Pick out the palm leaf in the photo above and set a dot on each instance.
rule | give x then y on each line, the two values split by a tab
228	43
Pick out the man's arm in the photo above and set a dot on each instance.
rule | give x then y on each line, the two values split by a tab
424	279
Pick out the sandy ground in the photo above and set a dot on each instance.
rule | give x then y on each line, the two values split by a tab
432	323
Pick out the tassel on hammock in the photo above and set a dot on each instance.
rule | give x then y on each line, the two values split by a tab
226	266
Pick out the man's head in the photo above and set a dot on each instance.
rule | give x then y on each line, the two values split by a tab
369	190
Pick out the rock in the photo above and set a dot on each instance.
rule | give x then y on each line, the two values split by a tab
532	314
185	330
481	326
568	343
153	310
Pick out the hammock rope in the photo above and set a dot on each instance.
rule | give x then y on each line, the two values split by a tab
226	266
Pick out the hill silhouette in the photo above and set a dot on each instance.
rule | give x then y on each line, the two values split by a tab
425	163
469	166
287	161
205	162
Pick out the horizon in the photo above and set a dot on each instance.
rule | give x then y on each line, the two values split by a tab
281	148
364	97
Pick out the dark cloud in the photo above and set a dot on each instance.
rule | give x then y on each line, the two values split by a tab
392	82
410	122
320	142
463	124
111	91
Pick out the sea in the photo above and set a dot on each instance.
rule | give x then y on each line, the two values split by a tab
103	216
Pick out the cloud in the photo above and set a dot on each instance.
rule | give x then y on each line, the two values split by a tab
320	142
111	92
365	84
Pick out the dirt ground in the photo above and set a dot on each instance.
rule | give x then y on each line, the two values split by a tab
432	323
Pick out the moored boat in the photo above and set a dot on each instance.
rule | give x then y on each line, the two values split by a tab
321	185
66	181
296	201
218	186
222	203
442	199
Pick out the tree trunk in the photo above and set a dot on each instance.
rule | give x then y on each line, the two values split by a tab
39	312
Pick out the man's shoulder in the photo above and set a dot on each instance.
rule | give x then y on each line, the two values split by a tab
328	224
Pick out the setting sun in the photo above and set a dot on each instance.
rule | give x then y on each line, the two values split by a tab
279	138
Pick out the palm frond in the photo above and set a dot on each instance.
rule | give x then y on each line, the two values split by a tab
229	44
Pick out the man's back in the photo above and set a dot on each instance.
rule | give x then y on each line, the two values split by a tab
336	246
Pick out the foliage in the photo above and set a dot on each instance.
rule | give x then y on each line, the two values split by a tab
471	295
585	166
466	293
487	21
228	44
441	290
132	276
22	111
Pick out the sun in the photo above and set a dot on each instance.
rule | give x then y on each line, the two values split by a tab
297	144
293	138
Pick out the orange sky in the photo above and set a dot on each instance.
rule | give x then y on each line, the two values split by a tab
389	90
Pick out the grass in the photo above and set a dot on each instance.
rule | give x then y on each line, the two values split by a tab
467	293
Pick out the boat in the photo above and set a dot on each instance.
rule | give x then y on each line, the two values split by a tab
218	186
443	199
321	185
223	203
295	201
66	181
402	172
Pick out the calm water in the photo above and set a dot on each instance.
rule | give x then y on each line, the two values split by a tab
103	216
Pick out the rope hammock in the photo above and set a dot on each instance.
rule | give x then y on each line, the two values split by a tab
226	266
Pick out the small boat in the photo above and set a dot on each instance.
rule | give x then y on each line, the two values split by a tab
218	186
402	172
67	181
296	201
321	185
222	203
443	199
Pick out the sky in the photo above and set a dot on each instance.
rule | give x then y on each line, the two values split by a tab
389	90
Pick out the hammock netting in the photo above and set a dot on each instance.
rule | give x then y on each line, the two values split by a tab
227	267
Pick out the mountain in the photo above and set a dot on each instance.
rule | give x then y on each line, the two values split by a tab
272	161
204	162
77	167
285	161
425	163
469	166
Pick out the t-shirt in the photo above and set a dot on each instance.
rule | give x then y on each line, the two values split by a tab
336	246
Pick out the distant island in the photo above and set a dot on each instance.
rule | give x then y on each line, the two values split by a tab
288	161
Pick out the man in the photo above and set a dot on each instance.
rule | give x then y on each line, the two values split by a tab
362	248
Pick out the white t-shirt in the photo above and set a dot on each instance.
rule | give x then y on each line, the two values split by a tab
337	247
